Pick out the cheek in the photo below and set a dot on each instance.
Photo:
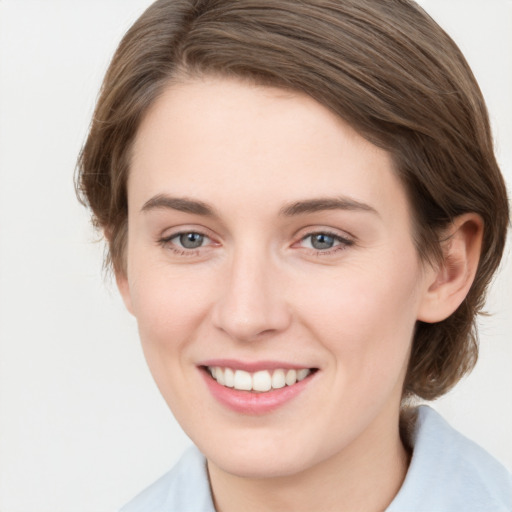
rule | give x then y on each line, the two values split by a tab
365	316
165	310
169	305
169	315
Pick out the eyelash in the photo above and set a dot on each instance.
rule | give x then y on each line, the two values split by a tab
166	243
344	243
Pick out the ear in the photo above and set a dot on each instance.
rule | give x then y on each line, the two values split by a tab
448	284
124	289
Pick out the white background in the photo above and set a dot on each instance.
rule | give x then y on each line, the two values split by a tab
82	426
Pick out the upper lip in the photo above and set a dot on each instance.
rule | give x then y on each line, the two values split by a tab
252	366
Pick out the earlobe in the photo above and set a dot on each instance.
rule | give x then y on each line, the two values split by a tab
124	289
449	283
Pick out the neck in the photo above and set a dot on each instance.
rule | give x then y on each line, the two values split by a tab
377	461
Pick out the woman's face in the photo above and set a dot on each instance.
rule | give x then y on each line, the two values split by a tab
266	236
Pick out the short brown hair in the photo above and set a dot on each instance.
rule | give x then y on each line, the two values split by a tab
384	67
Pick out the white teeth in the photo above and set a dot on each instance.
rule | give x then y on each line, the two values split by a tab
302	374
229	378
260	381
219	376
278	379
291	377
243	380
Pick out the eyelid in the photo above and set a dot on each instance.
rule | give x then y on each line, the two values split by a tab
315	230
179	235
170	233
345	239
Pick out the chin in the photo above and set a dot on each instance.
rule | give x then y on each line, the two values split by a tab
259	467
264	459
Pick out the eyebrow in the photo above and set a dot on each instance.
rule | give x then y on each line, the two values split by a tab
186	205
182	204
327	203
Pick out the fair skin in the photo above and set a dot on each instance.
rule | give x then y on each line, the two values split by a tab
265	232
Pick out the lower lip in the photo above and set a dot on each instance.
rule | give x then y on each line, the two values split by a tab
247	402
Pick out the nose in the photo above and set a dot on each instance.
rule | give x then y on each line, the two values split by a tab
251	303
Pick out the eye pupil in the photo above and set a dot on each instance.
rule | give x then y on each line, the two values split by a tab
191	240
322	241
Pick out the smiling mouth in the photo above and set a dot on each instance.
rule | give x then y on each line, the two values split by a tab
261	381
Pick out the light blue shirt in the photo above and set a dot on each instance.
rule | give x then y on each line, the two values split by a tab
448	473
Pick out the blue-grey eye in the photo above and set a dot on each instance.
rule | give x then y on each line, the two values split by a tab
322	241
191	240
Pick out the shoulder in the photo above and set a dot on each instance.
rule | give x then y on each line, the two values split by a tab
185	487
448	472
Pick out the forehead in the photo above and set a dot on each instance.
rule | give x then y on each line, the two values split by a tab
226	140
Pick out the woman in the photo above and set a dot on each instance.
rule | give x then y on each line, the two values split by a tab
303	212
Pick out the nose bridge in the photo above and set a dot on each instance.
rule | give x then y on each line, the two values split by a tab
251	302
